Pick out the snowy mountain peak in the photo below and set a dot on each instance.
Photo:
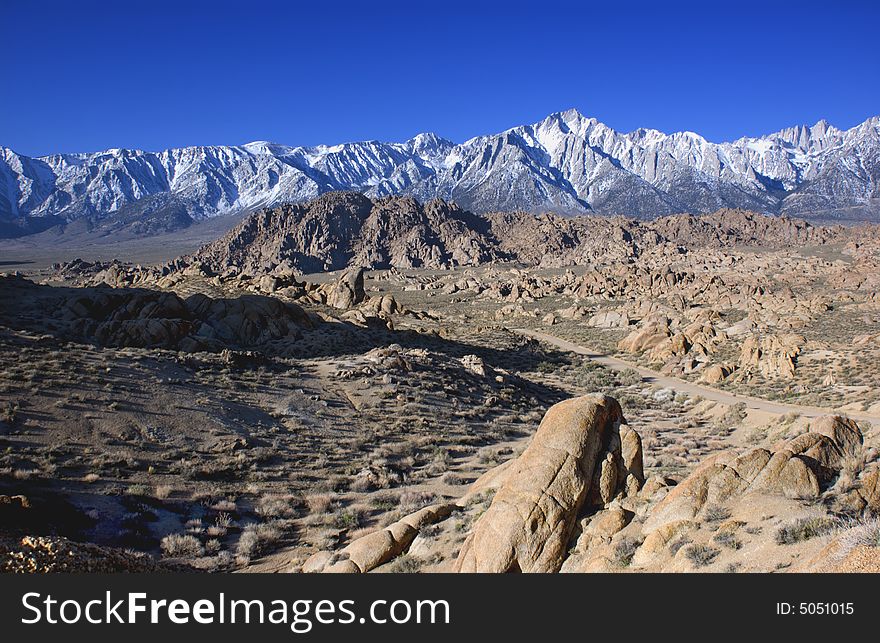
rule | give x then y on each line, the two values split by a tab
428	139
572	117
266	147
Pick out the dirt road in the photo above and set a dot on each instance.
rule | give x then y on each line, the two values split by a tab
679	385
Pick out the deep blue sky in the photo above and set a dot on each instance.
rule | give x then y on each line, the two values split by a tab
83	76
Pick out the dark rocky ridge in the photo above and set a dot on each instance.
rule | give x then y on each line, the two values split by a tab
340	229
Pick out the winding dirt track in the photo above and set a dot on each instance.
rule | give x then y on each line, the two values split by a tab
676	384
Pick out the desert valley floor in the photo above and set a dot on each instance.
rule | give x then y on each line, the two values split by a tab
356	385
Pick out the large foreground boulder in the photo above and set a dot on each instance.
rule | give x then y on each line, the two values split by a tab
583	453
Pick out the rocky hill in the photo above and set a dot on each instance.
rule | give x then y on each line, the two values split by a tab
336	230
339	229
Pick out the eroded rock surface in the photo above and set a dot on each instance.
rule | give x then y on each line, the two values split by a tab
582	452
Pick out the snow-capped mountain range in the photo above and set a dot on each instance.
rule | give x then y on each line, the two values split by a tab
566	163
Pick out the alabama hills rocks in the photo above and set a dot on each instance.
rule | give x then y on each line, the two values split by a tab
369	552
56	554
348	290
800	468
119	305
582	456
374	419
342	229
157	319
583	452
338	230
674	281
654	271
577	498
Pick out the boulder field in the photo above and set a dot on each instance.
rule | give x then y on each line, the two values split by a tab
576	500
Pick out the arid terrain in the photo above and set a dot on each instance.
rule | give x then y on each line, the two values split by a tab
360	385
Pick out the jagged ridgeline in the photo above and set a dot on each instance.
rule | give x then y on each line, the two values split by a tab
340	229
566	163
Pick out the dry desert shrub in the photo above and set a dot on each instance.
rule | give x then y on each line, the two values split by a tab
256	539
727	539
277	506
321	503
440	461
453	479
221	525
624	551
804	529
678	543
405	564
8	412
195	526
701	555
734	415
716	513
853	465
348	518
182	546
385	501
361	484
431	531
410	501
629	377
631	402
861	533
227	505
138	490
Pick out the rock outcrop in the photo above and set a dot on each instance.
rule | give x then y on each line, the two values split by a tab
134	317
582	454
652	333
800	468
869	488
342	229
368	552
347	291
56	554
772	356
